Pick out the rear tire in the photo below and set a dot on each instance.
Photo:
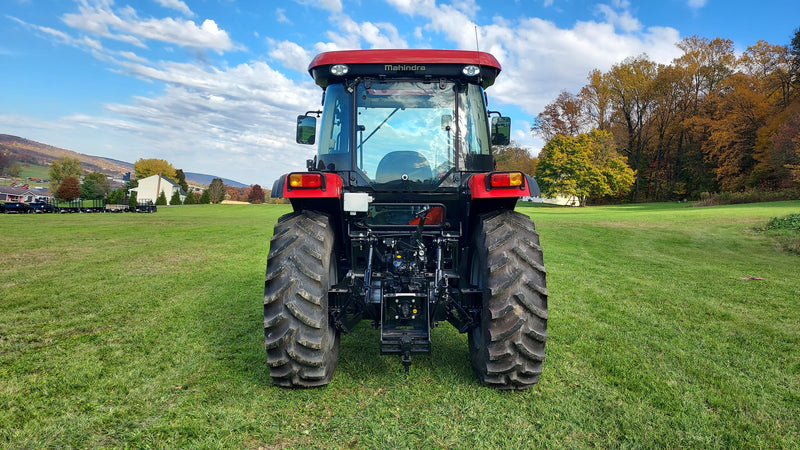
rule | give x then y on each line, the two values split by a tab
507	348
302	345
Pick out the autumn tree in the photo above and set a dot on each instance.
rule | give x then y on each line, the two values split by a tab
61	169
661	155
216	190
564	116
596	100
582	167
740	111
256	194
514	157
144	168
69	189
771	67
631	95
708	121
778	151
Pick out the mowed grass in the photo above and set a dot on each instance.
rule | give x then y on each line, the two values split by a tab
145	330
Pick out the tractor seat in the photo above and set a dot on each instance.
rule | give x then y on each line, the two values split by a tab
395	165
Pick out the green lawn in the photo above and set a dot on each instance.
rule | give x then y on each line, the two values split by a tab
145	330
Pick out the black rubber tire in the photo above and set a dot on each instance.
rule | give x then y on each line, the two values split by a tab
507	347
302	345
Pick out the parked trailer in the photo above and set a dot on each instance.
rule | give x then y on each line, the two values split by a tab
118	208
75	206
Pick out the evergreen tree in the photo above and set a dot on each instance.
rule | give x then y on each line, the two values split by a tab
205	199
176	198
116	197
190	199
181	179
162	199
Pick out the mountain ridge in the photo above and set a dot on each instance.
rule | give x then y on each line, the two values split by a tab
32	152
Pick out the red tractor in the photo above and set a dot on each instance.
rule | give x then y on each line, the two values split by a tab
401	219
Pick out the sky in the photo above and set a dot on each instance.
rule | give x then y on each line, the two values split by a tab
215	86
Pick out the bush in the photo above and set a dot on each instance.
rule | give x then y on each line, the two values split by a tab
790	223
748	196
786	232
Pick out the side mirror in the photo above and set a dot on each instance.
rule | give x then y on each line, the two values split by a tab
501	130
306	129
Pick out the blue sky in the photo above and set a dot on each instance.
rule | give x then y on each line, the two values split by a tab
214	86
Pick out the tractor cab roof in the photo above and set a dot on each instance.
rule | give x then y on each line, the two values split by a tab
471	66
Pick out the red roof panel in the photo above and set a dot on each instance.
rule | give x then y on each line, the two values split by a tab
404	56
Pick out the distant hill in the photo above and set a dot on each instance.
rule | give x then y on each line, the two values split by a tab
205	180
26	151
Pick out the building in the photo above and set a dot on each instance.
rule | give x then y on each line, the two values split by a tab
22	194
151	187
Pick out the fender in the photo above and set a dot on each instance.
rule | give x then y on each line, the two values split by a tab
503	185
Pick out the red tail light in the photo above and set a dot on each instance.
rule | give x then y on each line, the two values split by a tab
505	180
305	180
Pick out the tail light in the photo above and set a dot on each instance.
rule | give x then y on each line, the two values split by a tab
505	180
305	180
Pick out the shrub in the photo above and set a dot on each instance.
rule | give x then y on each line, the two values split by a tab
786	232
748	196
790	222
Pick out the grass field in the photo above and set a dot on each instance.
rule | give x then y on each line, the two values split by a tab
145	330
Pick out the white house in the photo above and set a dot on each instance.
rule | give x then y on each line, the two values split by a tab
151	187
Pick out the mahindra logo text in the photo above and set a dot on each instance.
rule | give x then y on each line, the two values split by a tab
403	67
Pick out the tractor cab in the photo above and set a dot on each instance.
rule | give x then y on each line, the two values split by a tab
404	119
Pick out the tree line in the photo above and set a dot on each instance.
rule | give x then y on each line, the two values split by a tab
68	182
711	121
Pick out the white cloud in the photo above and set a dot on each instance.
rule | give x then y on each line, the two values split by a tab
291	55
242	115
99	19
623	20
334	6
280	14
177	5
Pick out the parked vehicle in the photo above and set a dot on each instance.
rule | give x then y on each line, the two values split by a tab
17	208
40	207
401	219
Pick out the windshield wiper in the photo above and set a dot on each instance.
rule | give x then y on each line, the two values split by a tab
379	126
